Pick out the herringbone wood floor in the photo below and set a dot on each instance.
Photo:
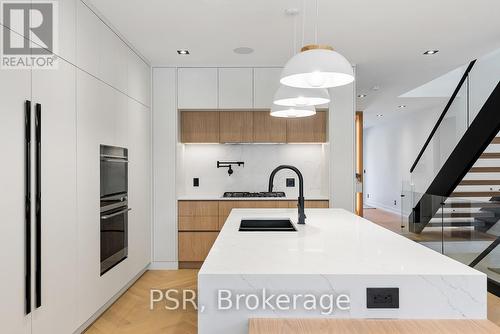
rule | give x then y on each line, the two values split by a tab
131	313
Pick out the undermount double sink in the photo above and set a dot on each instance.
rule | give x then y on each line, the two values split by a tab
266	225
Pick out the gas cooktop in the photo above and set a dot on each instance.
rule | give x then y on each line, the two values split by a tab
254	194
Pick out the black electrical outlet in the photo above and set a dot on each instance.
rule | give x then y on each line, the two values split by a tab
382	297
395	202
367	195
290	182
196	182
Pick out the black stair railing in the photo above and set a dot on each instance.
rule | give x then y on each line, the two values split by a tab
467	151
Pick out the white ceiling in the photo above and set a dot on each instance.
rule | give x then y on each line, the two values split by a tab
385	39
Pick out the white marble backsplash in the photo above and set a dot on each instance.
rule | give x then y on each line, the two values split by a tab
200	160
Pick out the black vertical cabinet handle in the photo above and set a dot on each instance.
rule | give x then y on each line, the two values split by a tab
38	209
27	206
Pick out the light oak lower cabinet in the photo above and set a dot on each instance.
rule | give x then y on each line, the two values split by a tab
194	246
225	207
268	129
315	204
198	215
199	126
201	221
236	126
310	129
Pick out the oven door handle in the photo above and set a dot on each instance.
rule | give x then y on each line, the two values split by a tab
114	160
115	213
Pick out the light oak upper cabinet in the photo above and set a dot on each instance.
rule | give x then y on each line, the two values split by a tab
310	129
266	81
236	126
268	129
199	126
197	88
235	88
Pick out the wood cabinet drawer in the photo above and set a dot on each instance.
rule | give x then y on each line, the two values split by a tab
225	207
312	204
194	246
198	208
198	223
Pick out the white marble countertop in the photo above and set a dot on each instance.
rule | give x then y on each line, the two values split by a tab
220	198
333	242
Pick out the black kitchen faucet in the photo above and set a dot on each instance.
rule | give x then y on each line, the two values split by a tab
300	204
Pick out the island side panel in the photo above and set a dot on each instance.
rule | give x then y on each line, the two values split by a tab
420	297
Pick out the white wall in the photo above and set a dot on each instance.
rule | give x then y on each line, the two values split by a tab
389	151
200	160
341	149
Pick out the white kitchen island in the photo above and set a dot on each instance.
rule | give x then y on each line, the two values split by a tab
332	259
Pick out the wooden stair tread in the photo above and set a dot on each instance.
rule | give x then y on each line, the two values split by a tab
372	326
475	194
479	182
496	140
484	170
490	156
472	205
484	214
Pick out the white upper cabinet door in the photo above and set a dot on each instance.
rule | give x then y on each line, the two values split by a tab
139	78
88	39
66	33
235	88
14	91
54	92
197	88
266	83
113	59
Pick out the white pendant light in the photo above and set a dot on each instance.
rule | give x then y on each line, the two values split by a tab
292	97
316	66
292	112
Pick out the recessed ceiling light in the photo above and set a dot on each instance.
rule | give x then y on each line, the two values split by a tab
243	50
183	52
376	87
361	95
430	52
379	115
402	106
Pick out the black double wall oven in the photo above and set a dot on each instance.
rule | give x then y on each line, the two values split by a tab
114	206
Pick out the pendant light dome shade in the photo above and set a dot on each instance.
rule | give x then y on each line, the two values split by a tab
292	112
317	68
297	97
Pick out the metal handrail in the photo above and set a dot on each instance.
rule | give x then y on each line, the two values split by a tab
443	114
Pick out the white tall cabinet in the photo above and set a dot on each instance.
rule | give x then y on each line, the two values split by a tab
54	91
85	102
15	89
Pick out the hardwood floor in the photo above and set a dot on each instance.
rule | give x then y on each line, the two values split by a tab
131	313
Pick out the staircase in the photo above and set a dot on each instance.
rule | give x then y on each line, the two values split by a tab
454	194
476	200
